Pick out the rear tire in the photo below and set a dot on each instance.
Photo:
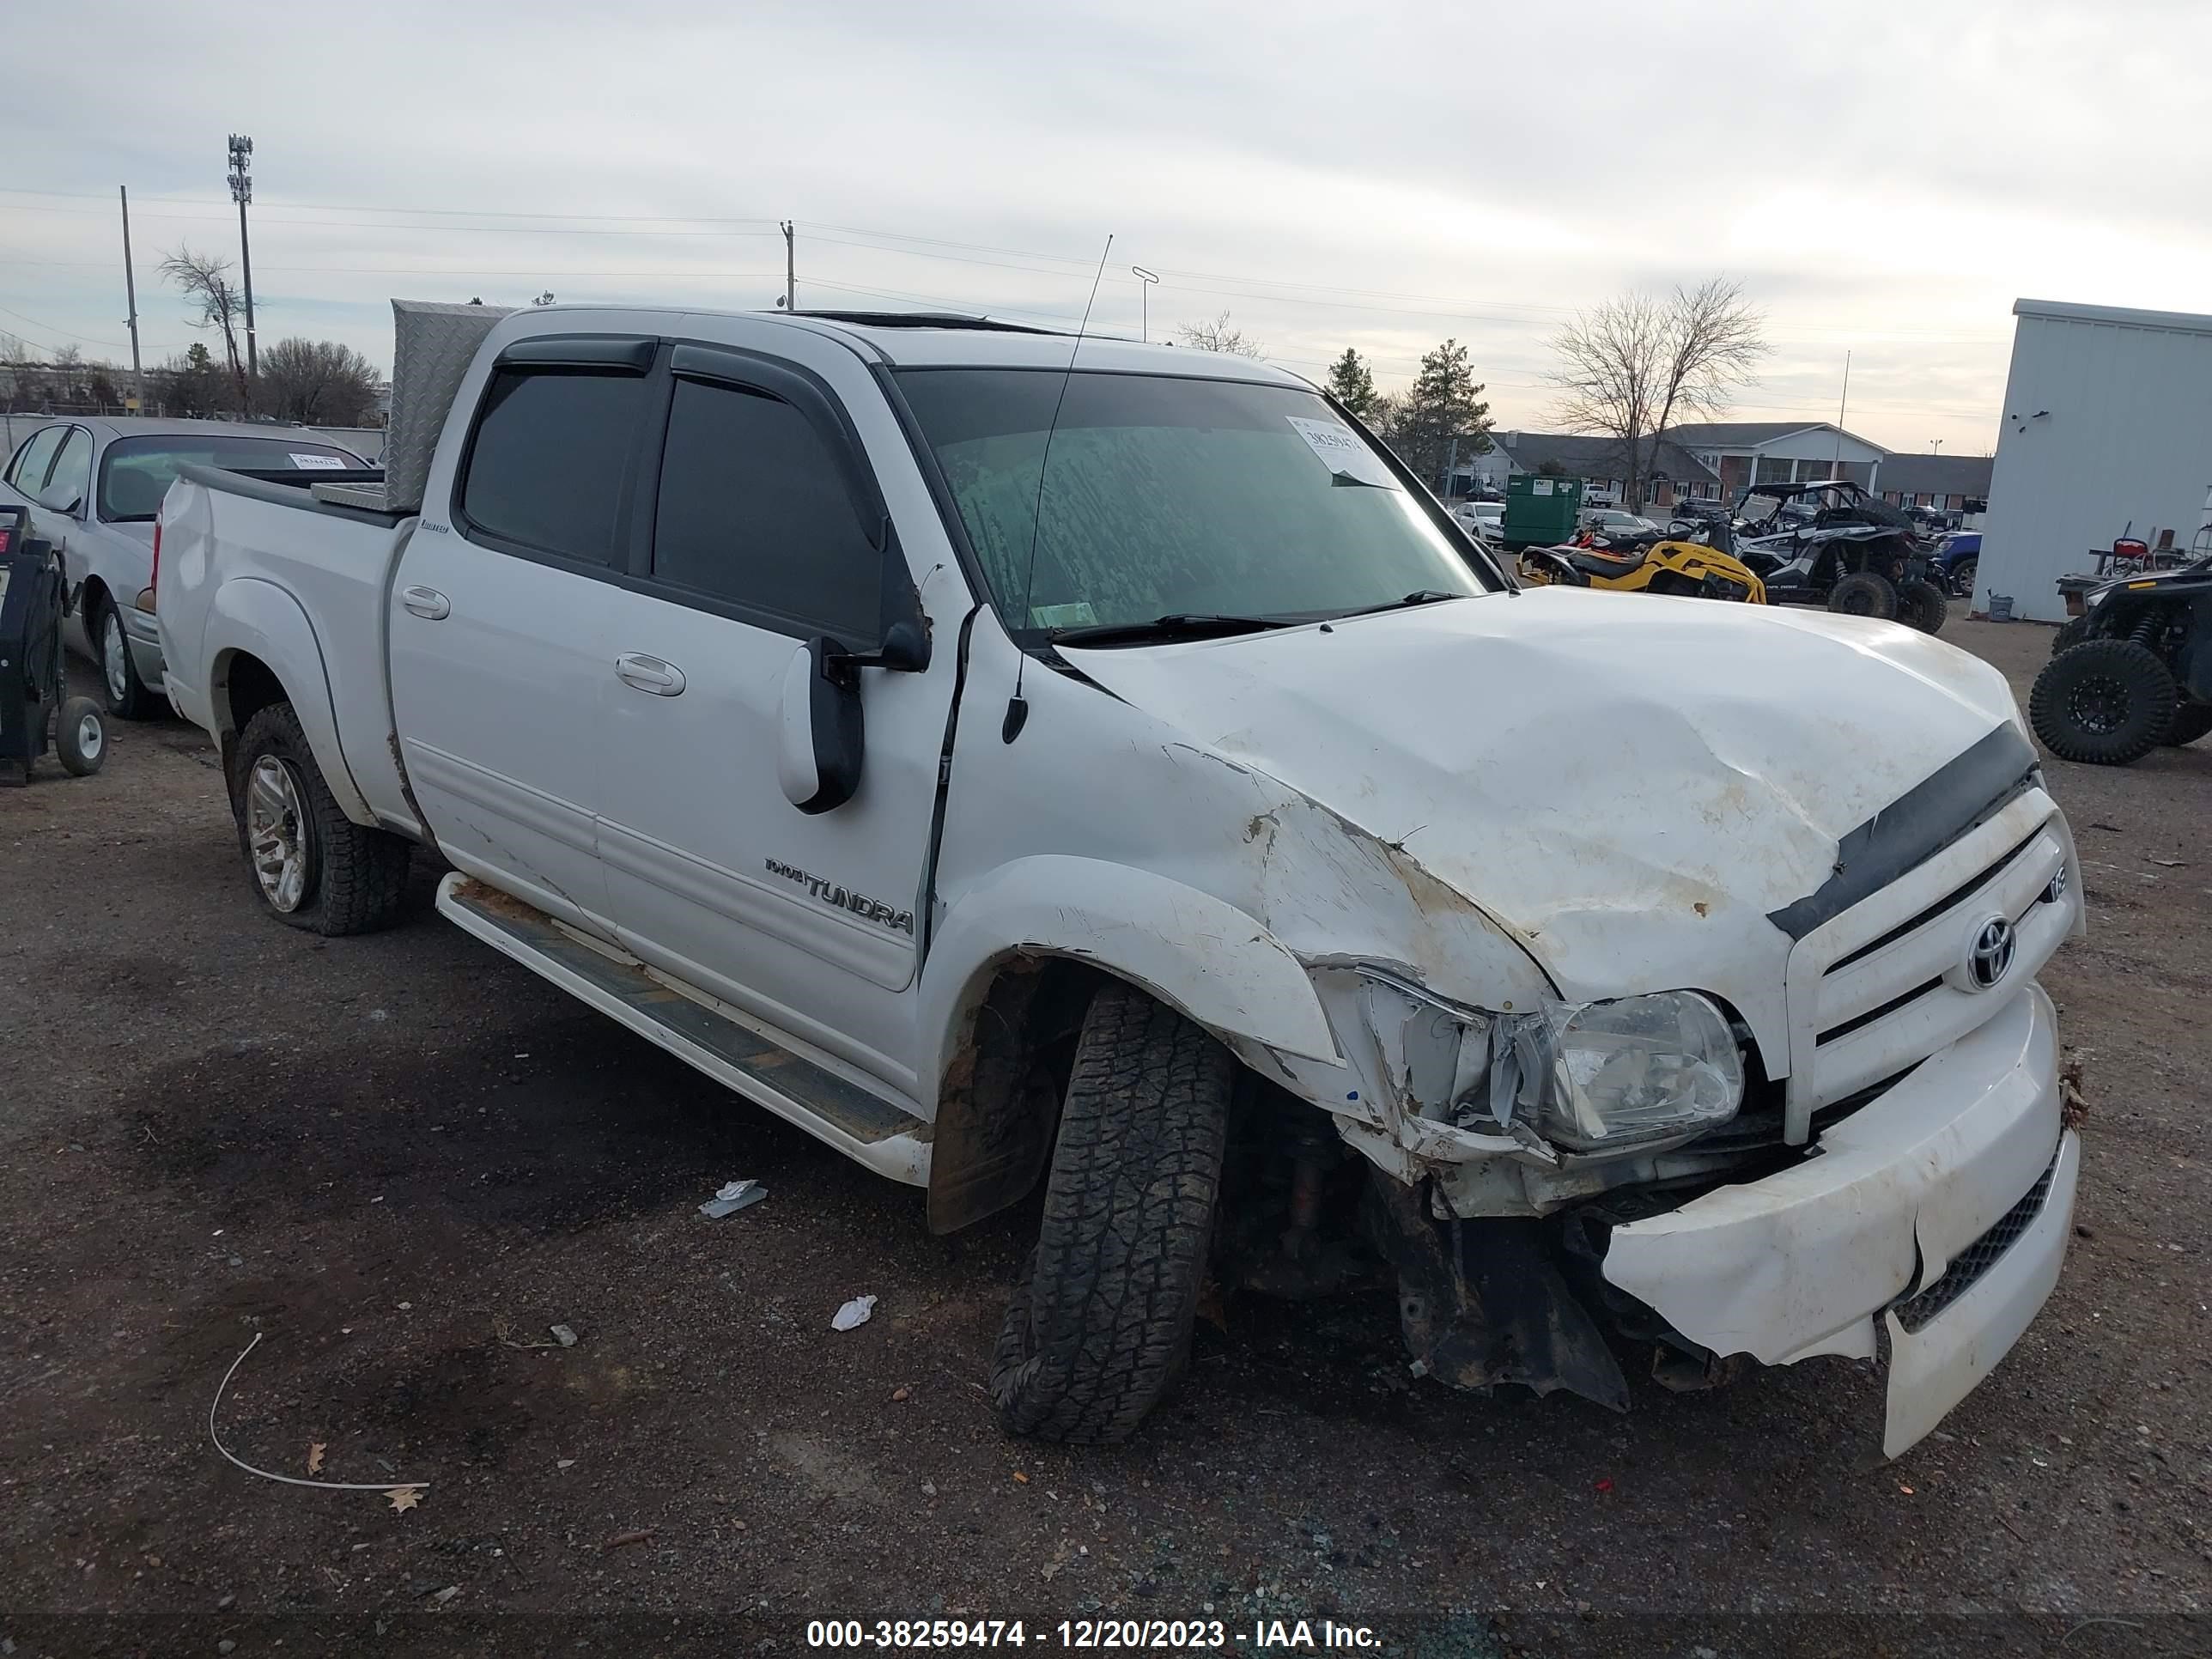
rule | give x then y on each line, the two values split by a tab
2106	703
2191	721
125	693
1863	593
2069	634
1923	606
81	737
1099	1327
311	867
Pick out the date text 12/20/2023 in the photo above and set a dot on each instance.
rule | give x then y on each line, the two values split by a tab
1267	1635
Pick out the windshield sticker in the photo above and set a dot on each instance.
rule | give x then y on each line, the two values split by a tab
1341	452
1076	615
318	463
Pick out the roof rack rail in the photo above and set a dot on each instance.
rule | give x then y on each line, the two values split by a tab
922	319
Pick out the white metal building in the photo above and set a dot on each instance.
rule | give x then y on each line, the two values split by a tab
2107	424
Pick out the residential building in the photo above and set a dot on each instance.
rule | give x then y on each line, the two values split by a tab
1952	483
2107	427
1745	452
1671	472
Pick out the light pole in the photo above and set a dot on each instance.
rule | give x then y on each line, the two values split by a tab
241	192
1935	446
1144	281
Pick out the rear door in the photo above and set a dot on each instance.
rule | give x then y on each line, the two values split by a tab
500	653
763	524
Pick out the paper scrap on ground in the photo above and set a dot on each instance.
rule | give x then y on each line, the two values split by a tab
854	1312
735	1196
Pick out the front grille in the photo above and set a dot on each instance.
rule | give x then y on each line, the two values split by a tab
1881	985
1920	1309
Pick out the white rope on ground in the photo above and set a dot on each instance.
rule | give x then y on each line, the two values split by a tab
215	1404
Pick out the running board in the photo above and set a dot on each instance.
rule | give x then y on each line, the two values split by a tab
830	1108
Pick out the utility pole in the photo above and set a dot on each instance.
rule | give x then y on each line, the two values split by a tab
1451	465
241	192
131	298
1836	461
790	270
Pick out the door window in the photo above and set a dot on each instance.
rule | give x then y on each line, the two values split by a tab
753	511
546	465
34	458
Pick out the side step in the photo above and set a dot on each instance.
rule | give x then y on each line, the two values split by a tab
858	1123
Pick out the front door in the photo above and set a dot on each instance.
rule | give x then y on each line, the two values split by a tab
763	525
500	654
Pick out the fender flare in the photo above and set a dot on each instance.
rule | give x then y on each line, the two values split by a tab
1210	961
256	618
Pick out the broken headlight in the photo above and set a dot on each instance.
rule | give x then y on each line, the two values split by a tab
1639	1069
1596	1077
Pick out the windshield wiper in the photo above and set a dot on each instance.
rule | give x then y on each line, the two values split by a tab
1177	625
1424	596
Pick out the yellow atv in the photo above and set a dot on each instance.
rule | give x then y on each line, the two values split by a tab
1690	569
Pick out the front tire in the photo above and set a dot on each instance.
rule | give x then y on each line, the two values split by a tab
2191	720
311	867
2107	702
125	694
1099	1326
1923	606
1962	578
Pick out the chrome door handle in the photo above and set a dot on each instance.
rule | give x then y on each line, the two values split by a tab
644	673
427	602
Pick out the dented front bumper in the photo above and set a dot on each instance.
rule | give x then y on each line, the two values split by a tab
1963	1166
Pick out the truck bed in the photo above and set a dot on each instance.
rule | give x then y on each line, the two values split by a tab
255	566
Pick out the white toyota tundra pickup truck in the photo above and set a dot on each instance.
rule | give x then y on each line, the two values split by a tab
1022	760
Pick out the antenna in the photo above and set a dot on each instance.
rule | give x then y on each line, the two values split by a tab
1017	709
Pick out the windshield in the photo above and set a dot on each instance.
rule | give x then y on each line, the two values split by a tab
1169	496
136	473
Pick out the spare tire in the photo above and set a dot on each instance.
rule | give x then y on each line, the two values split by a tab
2108	702
1863	593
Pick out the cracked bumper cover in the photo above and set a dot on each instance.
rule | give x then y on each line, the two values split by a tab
1805	1261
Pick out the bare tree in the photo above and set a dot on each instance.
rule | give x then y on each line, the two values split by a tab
1634	366
317	382
1218	335
205	282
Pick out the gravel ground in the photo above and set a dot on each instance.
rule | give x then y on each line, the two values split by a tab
397	1161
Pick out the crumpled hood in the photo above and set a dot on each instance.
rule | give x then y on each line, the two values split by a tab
1627	784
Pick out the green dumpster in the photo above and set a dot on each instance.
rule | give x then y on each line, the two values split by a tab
1540	511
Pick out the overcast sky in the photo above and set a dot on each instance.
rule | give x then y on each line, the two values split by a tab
1885	178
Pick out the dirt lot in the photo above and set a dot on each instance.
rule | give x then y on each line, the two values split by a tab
399	1160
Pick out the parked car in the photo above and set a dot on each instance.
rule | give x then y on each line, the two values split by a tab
1485	519
1619	527
1324	905
1956	560
92	485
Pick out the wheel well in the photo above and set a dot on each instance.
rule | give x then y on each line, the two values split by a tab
244	686
90	597
999	1102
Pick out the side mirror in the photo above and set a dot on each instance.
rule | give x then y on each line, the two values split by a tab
820	737
62	499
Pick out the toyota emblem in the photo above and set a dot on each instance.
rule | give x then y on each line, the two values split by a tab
1989	953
